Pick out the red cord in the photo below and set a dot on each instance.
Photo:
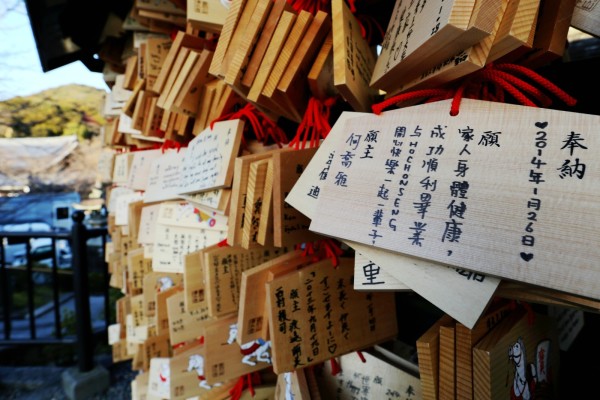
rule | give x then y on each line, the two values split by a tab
314	124
417	94
332	251
171	144
360	355
335	367
247	381
261	125
504	78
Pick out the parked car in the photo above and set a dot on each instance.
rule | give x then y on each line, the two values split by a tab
15	252
42	254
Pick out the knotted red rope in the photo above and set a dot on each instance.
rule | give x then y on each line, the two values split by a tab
171	144
528	309
247	381
263	128
503	78
312	6
335	367
332	251
322	249
315	123
367	25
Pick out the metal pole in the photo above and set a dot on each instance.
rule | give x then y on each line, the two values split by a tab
83	325
6	295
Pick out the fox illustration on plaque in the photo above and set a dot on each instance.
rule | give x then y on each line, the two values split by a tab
531	380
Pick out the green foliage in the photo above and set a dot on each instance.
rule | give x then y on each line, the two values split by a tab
65	110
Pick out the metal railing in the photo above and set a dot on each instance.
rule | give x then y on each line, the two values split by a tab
78	238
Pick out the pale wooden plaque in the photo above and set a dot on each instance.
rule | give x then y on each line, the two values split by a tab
353	59
223	267
139	169
289	225
421	35
523	191
208	162
375	379
164	177
461	63
442	286
315	315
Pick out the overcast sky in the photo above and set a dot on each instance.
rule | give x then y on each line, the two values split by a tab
20	69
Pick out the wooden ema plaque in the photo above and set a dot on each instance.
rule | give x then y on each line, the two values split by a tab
428	350
284	26
523	191
254	201
461	63
507	358
289	225
466	339
376	378
156	53
447	363
239	193
182	377
447	288
292	88
182	41
277	9
193	280
353	59
206	15
586	17
421	35
139	169
517	29
363	268
155	283
185	326
223	274
164	177
320	76
292	42
208	161
314	315
225	37
250	34
554	21
225	359
253	314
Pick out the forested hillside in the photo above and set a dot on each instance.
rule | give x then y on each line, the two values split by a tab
62	111
65	110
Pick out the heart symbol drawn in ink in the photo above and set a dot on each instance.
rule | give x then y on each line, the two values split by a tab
526	256
541	125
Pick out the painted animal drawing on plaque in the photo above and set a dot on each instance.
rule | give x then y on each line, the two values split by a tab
256	349
531	379
165	374
164	283
196	363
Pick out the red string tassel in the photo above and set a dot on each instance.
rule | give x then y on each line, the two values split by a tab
263	128
314	124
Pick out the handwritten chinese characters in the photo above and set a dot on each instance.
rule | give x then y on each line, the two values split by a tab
374	379
208	162
317	315
465	196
